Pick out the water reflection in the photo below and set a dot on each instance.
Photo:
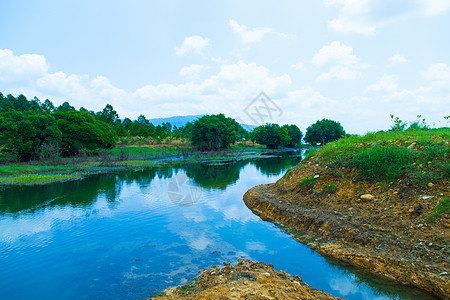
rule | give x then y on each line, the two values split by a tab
121	235
215	175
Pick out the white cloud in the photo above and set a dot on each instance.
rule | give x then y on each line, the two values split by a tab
255	34
340	72
300	66
194	44
192	71
21	68
440	72
352	16
335	53
386	83
344	64
396	59
434	7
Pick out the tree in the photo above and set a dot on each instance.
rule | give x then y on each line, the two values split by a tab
323	132
213	132
82	130
295	134
271	135
108	115
65	107
23	133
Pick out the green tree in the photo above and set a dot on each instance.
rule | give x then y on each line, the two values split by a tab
271	135
213	132
82	130
108	115
324	131
23	133
295	134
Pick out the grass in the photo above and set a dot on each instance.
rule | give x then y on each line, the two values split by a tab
71	168
306	184
443	207
332	188
38	179
422	155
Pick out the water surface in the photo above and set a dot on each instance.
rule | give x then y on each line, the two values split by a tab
129	235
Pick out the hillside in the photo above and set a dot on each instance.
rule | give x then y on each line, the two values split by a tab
175	120
379	202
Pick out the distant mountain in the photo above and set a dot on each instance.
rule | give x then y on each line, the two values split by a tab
182	120
175	120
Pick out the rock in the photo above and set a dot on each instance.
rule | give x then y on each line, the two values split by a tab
367	197
430	184
418	209
410	147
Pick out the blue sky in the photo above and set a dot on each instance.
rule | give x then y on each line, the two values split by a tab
352	61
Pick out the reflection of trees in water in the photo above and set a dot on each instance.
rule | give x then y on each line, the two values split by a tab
82	193
275	165
77	193
215	175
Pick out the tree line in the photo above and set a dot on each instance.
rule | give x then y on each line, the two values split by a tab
32	129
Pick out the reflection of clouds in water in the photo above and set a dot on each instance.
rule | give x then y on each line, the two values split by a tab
196	241
24	225
346	286
195	215
255	246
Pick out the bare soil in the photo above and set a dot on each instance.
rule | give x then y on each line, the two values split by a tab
390	234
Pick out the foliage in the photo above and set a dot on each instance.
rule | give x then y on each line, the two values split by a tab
422	155
23	133
397	124
295	134
271	135
82	130
213	132
306	184
323	132
443	207
332	188
381	163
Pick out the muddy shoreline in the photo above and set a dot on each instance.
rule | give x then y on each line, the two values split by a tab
379	236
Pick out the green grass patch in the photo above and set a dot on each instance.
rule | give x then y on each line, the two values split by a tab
306	184
382	163
443	207
331	188
38	179
421	155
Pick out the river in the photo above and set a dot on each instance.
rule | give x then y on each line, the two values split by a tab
131	234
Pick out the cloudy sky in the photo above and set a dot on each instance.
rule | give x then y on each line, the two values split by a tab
354	61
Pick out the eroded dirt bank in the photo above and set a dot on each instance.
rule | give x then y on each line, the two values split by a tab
247	280
386	228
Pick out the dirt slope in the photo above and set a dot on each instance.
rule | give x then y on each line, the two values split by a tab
389	231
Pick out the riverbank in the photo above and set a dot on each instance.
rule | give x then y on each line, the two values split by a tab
379	202
76	168
246	280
